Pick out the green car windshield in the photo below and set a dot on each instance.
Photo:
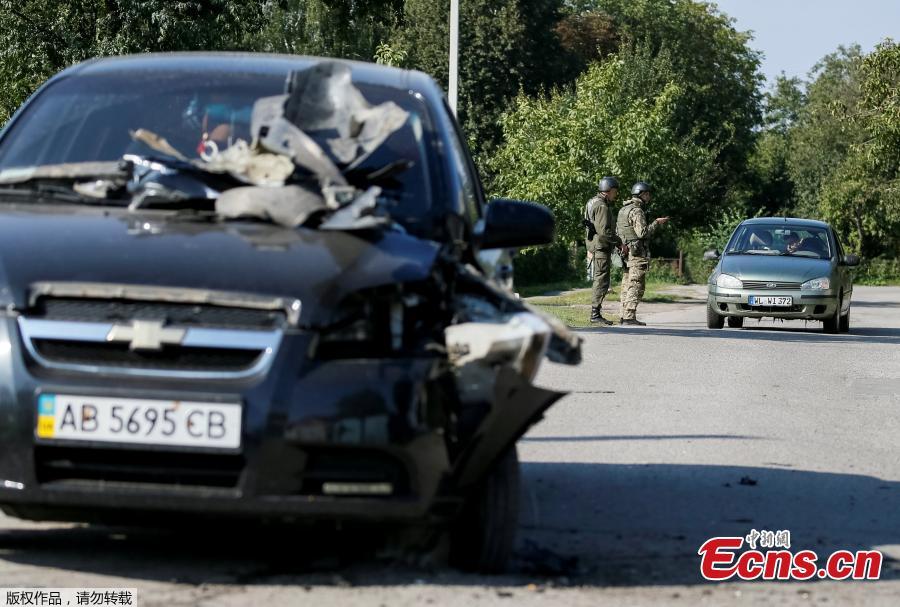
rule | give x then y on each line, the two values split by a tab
780	239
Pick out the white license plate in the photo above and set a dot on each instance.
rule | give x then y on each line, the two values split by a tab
138	421
778	302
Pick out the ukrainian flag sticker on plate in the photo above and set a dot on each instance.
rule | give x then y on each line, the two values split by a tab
46	415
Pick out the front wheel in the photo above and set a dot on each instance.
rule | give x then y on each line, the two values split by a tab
483	537
844	325
831	325
713	320
735	322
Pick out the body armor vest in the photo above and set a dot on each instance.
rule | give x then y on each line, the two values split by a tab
623	226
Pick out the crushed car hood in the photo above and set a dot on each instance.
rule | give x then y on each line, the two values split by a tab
117	247
771	267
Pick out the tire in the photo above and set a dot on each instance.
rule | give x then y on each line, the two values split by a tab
736	322
832	325
713	320
483	537
844	323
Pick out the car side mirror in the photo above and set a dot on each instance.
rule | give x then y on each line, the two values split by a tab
515	223
712	255
851	260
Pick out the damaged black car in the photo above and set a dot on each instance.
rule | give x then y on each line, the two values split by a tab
262	288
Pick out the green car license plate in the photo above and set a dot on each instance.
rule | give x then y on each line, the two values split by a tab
774	301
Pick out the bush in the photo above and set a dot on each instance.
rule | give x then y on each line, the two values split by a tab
552	263
878	271
663	272
696	242
557	263
697	269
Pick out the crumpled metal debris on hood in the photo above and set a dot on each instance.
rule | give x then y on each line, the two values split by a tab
323	98
321	101
324	125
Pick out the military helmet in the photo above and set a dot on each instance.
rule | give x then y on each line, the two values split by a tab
640	187
608	183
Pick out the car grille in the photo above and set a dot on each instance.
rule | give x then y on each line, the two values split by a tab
199	315
770	285
119	355
54	464
120	336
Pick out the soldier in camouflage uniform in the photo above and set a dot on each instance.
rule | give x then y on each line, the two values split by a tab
600	240
632	228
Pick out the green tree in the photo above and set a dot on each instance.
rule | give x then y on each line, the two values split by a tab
588	36
717	70
861	196
558	145
770	186
505	46
820	138
350	29
41	37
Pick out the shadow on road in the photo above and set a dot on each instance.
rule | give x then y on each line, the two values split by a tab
642	524
631	437
811	334
876	304
584	524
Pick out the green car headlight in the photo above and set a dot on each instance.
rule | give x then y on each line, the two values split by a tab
727	281
817	284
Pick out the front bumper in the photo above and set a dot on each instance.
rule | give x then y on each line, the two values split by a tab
807	305
304	423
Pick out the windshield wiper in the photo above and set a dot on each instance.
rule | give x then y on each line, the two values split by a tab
60	182
753	252
52	192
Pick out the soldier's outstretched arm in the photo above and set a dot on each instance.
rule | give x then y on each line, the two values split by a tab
639	223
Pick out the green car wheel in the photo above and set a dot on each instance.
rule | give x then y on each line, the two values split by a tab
844	324
713	320
832	325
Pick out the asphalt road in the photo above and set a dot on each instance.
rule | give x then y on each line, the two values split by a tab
622	482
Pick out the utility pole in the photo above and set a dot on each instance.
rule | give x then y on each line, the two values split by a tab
454	54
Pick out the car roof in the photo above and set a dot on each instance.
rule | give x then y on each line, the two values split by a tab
792	221
254	63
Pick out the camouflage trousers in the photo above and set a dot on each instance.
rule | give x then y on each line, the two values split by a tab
634	281
601	265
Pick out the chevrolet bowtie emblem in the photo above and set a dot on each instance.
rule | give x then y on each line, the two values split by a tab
146	335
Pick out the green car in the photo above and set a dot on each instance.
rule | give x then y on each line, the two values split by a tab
781	268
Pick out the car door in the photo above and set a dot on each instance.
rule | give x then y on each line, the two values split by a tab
842	271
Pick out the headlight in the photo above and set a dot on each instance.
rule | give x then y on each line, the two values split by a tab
727	281
382	322
817	284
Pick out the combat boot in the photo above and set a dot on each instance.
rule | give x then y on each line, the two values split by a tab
632	322
597	317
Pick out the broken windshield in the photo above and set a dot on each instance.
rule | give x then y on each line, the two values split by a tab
205	115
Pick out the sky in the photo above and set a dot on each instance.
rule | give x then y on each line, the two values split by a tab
795	34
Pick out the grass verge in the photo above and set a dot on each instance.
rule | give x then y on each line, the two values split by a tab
573	306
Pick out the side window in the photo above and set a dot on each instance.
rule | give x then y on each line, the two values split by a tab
839	248
466	172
